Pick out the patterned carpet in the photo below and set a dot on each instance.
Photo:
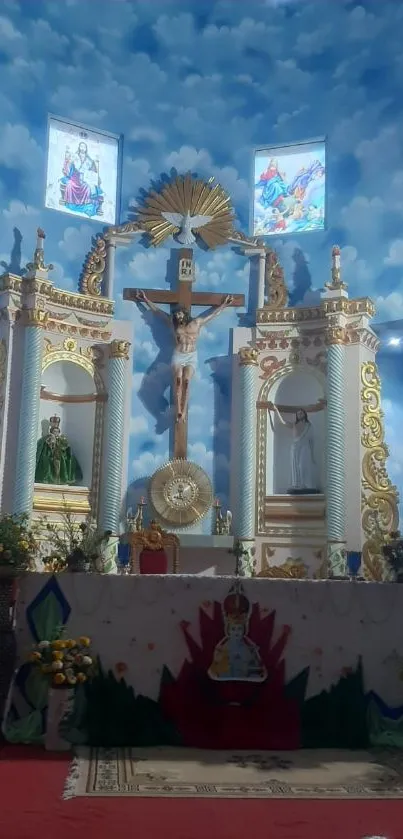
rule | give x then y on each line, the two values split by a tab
190	773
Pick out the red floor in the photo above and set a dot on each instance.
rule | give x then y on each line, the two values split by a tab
31	785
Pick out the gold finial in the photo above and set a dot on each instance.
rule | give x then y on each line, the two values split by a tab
337	282
38	263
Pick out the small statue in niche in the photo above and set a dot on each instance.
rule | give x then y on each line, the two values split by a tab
303	466
55	461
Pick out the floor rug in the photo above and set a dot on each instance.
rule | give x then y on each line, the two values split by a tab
31	784
191	773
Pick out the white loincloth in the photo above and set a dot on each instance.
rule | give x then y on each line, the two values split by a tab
184	359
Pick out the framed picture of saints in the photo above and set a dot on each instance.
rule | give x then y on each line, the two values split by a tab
289	189
83	171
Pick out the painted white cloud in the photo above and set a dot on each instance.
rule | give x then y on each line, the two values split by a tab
138	425
18	150
146	464
389	307
76	242
395	255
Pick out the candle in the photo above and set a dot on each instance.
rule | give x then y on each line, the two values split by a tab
217	502
142	500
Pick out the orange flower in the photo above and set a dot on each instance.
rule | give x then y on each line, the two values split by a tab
84	641
35	657
81	677
59	679
57	656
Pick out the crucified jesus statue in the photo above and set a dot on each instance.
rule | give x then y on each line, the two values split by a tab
186	331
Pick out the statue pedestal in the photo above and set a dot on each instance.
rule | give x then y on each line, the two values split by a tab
49	498
295	534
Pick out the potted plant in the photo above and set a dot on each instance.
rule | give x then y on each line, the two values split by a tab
65	663
72	546
18	545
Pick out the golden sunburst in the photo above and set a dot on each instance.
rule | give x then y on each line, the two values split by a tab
188	195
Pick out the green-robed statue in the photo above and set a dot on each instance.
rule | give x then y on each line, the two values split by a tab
55	462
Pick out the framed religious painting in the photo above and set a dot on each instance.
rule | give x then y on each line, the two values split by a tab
83	171
289	189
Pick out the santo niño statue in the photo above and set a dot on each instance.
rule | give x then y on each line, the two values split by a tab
55	461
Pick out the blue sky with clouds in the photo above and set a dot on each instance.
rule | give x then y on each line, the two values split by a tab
196	86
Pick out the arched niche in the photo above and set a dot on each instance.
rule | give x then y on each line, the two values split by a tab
302	386
72	388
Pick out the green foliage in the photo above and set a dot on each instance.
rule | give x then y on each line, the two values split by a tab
337	718
116	717
18	544
68	536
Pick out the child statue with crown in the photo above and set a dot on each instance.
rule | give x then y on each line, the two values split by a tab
236	657
55	461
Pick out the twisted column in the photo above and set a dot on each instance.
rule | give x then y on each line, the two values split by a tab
245	518
34	319
335	452
113	454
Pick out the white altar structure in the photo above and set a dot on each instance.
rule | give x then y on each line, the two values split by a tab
62	354
65	353
320	358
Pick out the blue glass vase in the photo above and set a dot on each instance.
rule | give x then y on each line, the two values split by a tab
353	562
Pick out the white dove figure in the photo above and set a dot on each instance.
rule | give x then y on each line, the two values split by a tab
186	224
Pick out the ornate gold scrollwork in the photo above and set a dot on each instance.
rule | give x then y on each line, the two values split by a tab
335	335
93	268
119	349
379	502
276	289
248	355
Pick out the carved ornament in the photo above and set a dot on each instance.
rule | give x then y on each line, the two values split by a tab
248	356
119	349
276	289
379	501
93	269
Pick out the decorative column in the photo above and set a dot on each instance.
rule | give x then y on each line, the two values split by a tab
246	514
34	320
336	337
335	453
113	454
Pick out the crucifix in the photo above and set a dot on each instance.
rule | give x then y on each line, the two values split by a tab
186	331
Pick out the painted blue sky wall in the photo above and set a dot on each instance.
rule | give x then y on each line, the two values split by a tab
194	86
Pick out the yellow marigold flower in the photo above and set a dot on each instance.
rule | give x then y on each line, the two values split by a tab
59	679
84	641
35	657
81	677
57	656
56	645
70	644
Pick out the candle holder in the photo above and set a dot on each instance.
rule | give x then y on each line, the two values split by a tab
136	522
218	519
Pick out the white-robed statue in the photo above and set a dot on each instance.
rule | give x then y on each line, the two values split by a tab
303	466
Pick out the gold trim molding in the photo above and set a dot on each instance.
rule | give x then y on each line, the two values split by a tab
73	300
298	314
379	498
55	505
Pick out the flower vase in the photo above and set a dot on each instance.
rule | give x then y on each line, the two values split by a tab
59	705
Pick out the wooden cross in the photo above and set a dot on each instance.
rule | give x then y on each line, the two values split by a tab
183	296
